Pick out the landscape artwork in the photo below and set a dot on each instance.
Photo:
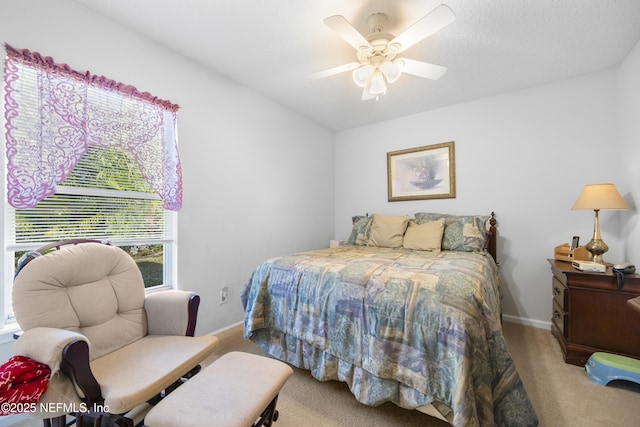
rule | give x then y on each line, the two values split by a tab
422	173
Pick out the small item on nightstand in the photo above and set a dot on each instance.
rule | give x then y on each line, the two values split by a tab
575	242
619	270
565	253
581	254
589	266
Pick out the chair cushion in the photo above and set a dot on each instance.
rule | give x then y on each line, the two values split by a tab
134	374
91	288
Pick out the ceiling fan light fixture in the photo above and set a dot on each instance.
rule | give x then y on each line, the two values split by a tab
377	64
366	93
392	70
362	74
378	85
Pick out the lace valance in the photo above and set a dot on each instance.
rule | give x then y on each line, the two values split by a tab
54	113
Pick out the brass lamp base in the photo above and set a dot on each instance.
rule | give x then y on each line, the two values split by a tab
596	246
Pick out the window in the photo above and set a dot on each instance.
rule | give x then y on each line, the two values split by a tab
105	197
88	158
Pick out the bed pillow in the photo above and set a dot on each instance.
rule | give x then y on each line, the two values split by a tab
425	237
358	236
466	233
387	231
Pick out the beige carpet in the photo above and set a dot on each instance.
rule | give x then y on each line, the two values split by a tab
562	394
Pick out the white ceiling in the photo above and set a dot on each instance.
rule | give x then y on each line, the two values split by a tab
494	46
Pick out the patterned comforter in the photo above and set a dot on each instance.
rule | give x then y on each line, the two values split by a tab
410	327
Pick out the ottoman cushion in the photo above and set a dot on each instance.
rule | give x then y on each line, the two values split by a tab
231	392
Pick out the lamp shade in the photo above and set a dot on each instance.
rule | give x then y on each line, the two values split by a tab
600	196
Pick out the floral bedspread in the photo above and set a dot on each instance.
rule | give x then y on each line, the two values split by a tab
397	325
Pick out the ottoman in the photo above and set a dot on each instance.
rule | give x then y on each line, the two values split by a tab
237	390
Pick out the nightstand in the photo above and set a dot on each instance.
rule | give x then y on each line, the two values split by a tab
590	314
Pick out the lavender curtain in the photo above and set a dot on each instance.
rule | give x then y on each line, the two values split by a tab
54	113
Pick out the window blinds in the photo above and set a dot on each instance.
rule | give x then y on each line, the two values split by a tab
104	198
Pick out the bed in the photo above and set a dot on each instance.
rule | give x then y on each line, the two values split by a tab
407	311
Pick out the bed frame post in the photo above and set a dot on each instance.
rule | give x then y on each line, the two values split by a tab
494	236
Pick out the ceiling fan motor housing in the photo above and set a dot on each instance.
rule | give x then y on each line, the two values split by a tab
378	42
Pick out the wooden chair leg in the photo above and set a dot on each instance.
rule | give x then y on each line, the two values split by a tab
92	421
60	421
269	415
101	419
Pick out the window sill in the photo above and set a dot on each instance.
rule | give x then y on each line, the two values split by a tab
6	333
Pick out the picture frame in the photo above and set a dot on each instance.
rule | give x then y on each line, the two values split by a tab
421	173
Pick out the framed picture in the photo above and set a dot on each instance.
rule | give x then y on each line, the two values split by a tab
422	173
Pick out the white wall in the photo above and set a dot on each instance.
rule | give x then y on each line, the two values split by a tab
525	155
251	192
629	153
258	178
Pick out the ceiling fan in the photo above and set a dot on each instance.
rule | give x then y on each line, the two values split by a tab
377	62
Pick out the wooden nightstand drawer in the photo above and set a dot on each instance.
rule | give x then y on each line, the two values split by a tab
558	318
558	290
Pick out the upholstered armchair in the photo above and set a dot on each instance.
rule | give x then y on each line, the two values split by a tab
110	345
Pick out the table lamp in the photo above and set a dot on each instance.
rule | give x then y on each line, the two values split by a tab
597	197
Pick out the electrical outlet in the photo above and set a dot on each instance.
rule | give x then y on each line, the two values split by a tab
224	293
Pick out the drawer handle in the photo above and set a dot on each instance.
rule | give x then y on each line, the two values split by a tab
556	291
557	314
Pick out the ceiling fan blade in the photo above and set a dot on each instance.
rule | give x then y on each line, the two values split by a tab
335	70
434	21
423	69
347	32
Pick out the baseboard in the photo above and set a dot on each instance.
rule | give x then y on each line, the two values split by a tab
227	331
524	321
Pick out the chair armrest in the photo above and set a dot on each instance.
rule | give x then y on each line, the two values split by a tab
171	312
75	364
46	345
634	303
